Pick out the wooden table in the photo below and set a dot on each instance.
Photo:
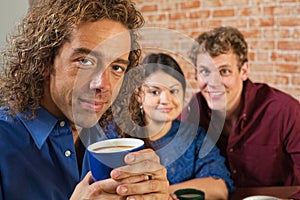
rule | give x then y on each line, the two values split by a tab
281	192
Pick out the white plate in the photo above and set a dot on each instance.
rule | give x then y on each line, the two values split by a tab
259	197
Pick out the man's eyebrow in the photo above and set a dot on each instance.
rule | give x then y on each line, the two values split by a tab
88	52
202	67
224	66
218	67
98	55
122	61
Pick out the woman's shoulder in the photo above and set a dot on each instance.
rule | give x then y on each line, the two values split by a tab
187	126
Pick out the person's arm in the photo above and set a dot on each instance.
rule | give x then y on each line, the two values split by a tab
291	132
210	173
131	180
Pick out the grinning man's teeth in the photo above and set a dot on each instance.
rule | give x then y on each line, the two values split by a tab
216	93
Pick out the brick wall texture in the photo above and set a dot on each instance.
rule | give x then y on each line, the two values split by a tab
271	28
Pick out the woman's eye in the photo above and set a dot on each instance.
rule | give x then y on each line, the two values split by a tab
174	91
154	92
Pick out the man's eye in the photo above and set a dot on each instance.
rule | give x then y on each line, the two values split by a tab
118	68
204	72
224	72
85	62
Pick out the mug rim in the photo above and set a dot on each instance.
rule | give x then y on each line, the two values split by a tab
108	142
180	192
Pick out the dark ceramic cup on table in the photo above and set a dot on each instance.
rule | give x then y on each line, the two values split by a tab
189	194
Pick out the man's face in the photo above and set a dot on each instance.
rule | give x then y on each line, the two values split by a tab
88	72
220	80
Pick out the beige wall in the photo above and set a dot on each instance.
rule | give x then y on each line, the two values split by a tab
10	12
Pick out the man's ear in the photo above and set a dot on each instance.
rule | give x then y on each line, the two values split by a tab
195	74
244	71
46	73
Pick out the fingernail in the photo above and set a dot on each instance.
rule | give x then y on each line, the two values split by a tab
123	190
130	158
115	173
130	198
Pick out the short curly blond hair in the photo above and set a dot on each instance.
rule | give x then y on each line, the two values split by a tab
219	41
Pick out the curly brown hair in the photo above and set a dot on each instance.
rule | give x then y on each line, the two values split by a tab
221	40
42	32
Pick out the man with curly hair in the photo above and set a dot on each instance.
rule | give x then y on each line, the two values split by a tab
63	69
256	127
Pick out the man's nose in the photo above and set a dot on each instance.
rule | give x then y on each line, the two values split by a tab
214	79
101	81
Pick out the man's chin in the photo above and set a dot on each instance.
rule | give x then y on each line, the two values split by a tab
86	121
217	107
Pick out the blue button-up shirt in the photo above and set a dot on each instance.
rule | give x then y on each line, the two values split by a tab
38	158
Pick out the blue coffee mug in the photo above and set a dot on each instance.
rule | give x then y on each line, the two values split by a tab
109	154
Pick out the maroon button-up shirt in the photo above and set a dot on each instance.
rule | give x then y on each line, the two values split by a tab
263	147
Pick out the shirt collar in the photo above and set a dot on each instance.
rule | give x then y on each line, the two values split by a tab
40	127
248	97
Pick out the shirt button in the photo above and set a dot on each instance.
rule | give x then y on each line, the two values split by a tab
172	170
67	153
231	150
62	124
234	171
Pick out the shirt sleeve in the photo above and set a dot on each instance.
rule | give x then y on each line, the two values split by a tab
291	134
210	163
1	192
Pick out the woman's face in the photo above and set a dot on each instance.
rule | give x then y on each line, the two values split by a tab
162	97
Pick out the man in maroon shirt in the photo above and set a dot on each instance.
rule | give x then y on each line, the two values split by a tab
256	127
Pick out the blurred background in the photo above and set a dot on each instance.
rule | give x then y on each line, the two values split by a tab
10	12
271	28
